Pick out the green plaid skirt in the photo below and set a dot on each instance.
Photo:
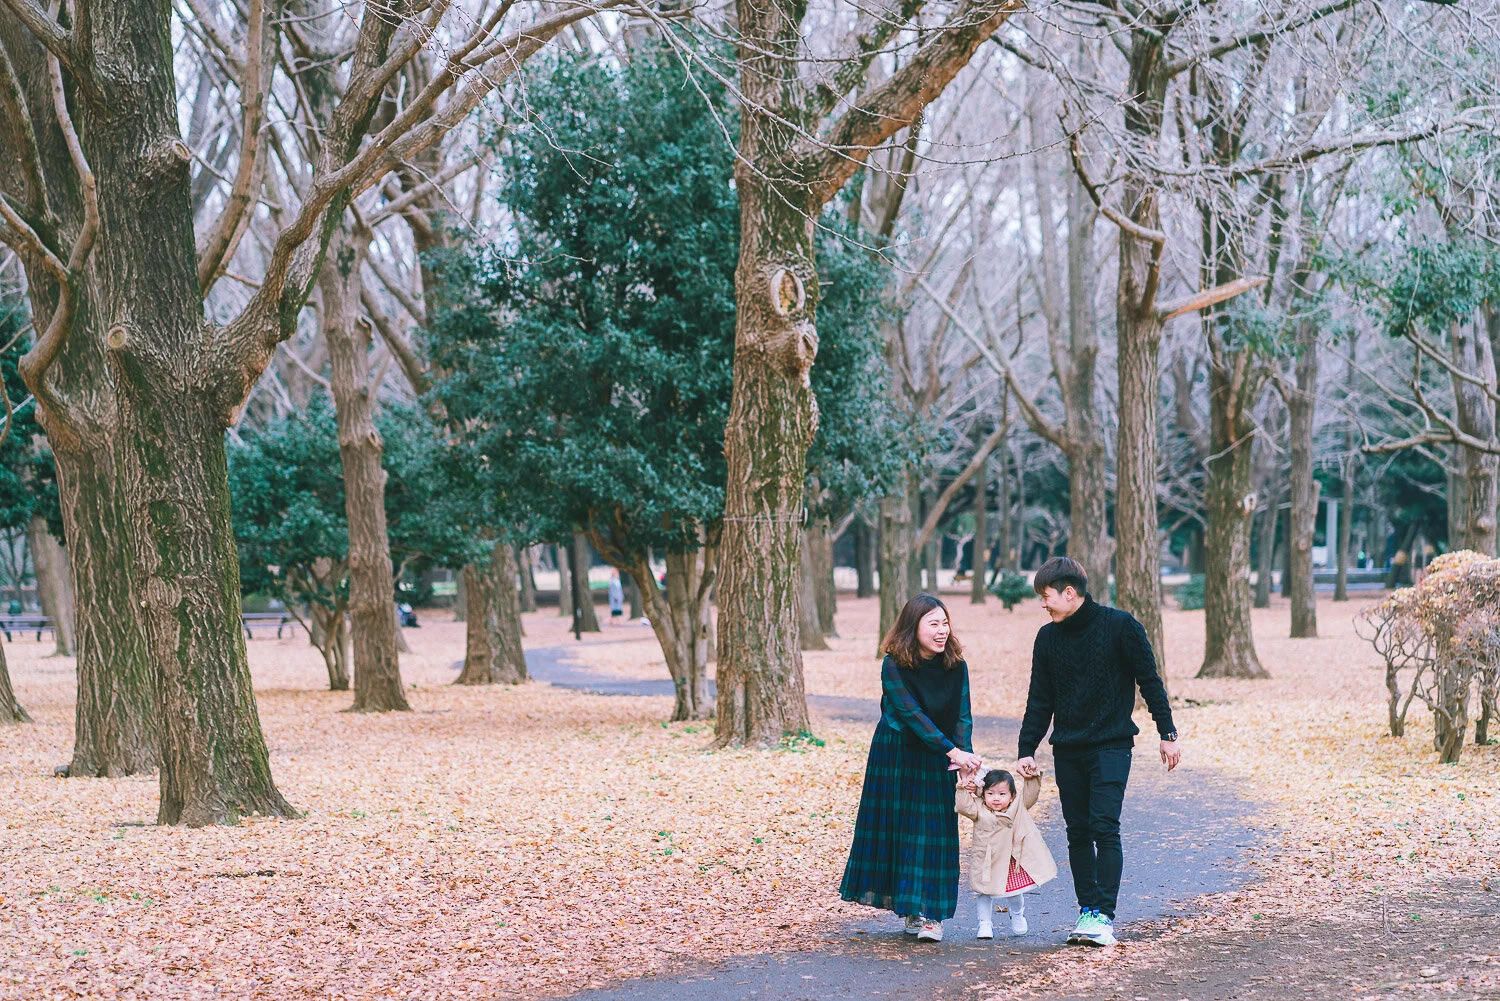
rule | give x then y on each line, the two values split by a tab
905	852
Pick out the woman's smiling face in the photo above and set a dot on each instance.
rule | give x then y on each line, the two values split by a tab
932	632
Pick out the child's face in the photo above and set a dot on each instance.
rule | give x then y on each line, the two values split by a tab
997	797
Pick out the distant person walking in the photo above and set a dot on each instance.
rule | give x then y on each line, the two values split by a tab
905	852
616	599
1085	668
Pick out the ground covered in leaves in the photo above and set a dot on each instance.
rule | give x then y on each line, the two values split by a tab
526	842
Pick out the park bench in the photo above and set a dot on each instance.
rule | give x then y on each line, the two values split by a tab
24	624
278	619
1372	575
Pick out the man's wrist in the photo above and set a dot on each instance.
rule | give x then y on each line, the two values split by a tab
1170	737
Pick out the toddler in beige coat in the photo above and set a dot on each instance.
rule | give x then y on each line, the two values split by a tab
1007	856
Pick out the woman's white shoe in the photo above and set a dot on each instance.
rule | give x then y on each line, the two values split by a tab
932	931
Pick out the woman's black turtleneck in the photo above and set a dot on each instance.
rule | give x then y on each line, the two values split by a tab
1084	672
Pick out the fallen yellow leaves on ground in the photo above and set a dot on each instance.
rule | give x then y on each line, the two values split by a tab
530	841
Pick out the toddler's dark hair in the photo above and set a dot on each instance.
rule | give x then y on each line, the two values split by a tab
997	775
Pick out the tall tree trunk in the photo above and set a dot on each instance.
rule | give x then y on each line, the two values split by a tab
493	652
864	558
331	637
981	535
633	596
583	596
772	417
1230	648
895	560
54	585
1346	521
461	596
115	716
1473	354
11	710
823	582
1005	542
1304	511
1266	550
809	622
1137	556
528	582
682	623
377	670
564	580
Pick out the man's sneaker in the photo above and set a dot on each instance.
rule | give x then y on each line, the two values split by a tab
932	931
1101	932
913	924
1085	925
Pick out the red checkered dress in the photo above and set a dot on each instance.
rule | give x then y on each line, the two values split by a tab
1017	879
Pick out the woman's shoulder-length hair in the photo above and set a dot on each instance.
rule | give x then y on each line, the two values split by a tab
900	644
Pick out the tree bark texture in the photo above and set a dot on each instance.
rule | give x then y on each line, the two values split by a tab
1138	329
1304	510
11	710
331	637
171	394
824	589
377	670
583	595
864	558
682	625
1266	550
564	580
1472	354
461	596
895	560
809	621
528	581
1229	648
633	596
493	652
114	728
54	584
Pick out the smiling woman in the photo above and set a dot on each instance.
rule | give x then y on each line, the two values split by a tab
905	852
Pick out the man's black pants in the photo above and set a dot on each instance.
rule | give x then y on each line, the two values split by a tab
1091	785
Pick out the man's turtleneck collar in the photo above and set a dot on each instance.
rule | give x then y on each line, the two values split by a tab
1080	619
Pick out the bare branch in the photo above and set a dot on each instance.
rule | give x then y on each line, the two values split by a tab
219	249
405	200
45	29
411	366
1256	37
21	132
940	507
34	366
1208	297
403	296
896	103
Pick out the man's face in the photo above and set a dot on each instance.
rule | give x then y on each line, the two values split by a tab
1060	604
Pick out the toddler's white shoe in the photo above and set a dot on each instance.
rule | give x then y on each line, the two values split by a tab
986	910
913	924
932	931
1017	915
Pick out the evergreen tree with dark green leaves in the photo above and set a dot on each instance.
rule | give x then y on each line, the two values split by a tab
589	358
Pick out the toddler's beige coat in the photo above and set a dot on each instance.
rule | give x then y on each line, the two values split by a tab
1000	836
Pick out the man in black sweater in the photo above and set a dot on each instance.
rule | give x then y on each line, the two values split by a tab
1085	668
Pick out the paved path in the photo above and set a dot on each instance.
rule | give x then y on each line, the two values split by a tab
1184	835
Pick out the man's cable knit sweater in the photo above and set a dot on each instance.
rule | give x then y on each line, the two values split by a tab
1084	672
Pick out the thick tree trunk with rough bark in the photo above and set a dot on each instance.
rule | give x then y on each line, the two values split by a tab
493	652
114	720
54	584
1230	649
11	710
168	412
1137	559
864	558
582	556
895	560
1303	516
1472	353
377	670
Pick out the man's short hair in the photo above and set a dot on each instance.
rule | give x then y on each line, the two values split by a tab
1061	572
